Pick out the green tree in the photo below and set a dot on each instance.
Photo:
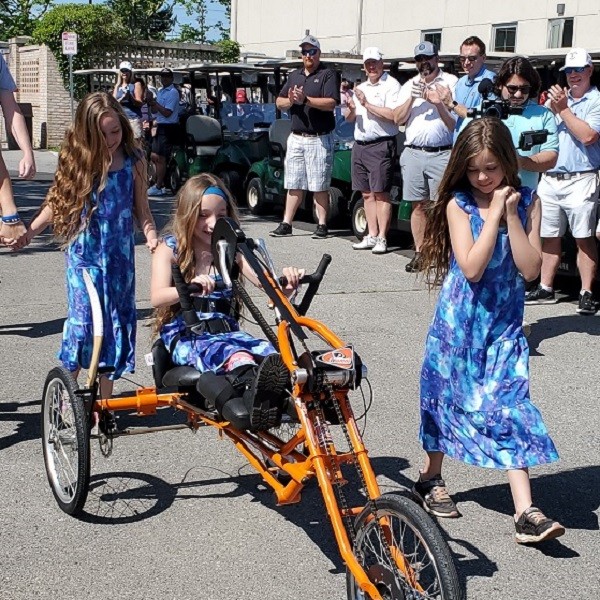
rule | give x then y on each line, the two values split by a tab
198	30
96	28
230	51
18	17
145	19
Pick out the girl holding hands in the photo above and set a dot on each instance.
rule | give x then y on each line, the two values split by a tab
482	243
99	190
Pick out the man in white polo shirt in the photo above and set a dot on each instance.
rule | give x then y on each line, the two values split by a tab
374	153
429	132
569	191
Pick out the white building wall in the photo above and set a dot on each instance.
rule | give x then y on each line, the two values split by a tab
276	26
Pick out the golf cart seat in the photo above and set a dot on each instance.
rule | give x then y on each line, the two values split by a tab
278	135
204	135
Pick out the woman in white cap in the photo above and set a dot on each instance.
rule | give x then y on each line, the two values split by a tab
130	96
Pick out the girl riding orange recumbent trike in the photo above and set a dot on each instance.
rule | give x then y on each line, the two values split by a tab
391	547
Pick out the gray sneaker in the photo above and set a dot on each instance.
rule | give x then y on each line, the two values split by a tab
434	497
534	526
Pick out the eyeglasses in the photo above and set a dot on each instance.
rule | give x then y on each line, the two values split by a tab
472	59
309	51
422	57
513	89
570	70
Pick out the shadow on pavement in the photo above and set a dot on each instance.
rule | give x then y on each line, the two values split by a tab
28	423
552	327
33	330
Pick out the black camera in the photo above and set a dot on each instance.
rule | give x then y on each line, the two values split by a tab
529	139
493	107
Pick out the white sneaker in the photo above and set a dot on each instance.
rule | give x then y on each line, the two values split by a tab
380	246
367	243
156	191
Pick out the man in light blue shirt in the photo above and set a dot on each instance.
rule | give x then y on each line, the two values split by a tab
569	191
166	108
466	94
517	82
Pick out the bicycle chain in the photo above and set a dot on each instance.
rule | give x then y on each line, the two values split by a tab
327	389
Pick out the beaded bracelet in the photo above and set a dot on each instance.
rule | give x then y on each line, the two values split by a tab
11	219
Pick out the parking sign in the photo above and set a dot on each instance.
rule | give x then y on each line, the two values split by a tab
69	42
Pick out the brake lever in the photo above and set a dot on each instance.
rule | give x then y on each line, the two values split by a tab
261	246
222	251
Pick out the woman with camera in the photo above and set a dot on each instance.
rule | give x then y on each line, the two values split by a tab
532	127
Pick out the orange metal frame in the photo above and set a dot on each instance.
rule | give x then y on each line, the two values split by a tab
258	446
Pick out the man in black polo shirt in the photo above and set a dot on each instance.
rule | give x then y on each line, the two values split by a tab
310	94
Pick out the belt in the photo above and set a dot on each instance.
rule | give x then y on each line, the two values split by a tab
429	148
306	134
389	138
568	176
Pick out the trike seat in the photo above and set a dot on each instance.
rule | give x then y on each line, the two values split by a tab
204	135
185	380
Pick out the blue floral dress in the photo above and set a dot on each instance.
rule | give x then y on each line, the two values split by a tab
105	248
209	352
475	403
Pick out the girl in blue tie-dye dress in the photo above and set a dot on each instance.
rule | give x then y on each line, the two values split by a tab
482	243
99	191
222	350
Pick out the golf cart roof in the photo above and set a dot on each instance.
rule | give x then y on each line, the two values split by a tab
113	71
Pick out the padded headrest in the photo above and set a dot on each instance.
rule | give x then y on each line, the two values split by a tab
204	130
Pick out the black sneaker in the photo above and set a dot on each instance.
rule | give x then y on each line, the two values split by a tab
434	497
265	397
415	265
587	306
540	296
321	232
534	526
283	230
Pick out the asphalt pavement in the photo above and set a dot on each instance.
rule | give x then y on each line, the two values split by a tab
182	516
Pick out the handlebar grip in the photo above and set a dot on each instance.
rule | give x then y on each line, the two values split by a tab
182	288
314	281
313	278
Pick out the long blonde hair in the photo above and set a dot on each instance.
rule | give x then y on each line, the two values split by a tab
83	164
188	206
483	134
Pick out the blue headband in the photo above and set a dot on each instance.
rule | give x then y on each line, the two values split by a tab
213	189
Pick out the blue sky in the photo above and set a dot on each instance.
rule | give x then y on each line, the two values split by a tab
215	13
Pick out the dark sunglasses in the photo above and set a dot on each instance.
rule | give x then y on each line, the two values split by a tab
423	57
308	51
513	89
464	59
570	70
125	71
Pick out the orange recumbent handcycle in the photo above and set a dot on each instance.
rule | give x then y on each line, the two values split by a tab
391	547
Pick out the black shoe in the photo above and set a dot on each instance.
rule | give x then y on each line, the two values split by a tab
587	306
435	498
540	296
533	526
265	397
321	232
283	230
415	265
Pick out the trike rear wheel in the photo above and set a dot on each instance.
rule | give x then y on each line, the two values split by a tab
65	441
400	527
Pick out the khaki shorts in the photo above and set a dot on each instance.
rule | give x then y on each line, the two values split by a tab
571	203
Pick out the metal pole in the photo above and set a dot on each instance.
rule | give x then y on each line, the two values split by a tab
71	83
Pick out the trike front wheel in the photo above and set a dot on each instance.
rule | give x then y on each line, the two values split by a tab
65	441
403	553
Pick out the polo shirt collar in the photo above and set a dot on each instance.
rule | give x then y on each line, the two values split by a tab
592	90
303	70
477	77
382	79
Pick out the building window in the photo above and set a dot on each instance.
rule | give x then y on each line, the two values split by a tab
560	33
504	37
432	35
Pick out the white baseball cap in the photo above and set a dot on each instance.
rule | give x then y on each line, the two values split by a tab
372	53
577	57
125	66
312	40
